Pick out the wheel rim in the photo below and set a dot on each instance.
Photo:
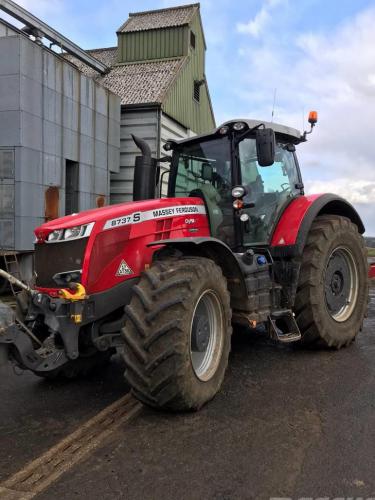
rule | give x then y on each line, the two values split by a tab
341	284
206	335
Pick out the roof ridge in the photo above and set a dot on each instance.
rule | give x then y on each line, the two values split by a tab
194	7
166	9
149	61
102	48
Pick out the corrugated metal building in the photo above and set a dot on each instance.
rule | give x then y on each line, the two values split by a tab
59	138
158	70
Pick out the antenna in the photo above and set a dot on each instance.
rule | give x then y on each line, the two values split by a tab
303	118
273	106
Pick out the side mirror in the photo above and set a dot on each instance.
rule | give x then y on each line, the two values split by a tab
207	172
265	143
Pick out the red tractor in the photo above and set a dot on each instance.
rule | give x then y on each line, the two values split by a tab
225	235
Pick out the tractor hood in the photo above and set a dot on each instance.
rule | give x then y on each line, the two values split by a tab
101	248
165	207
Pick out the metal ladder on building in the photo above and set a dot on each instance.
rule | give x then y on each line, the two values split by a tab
12	267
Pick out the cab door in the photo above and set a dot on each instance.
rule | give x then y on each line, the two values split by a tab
269	189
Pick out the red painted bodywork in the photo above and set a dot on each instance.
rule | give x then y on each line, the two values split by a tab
288	227
106	248
372	271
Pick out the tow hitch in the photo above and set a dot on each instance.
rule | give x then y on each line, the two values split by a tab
15	343
20	345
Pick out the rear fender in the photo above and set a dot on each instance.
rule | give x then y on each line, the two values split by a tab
290	236
216	250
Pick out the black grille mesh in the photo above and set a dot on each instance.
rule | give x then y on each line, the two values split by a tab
53	258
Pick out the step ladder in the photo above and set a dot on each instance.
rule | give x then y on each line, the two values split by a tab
12	267
283	327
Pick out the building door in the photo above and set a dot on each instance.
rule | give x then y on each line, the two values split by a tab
71	187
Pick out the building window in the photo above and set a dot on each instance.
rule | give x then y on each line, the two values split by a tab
71	187
197	91
192	40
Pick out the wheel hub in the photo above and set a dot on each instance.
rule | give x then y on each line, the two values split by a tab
200	334
337	283
206	335
340	284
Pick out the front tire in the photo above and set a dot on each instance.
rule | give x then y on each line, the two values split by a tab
332	294
177	334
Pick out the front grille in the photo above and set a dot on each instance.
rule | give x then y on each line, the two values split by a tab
53	258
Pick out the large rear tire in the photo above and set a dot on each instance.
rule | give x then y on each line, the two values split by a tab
332	294
177	334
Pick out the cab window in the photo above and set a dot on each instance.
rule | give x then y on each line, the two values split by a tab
268	188
203	169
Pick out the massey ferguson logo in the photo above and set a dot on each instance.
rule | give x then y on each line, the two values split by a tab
137	217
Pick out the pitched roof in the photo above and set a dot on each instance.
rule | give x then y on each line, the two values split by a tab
163	18
139	83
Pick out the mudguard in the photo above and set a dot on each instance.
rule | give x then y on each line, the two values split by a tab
290	235
216	250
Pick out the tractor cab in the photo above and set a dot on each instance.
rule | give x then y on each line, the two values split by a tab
245	171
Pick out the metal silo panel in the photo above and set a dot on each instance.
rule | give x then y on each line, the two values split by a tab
31	99
6	200
7	234
7	166
101	127
9	92
10	65
10	128
31	62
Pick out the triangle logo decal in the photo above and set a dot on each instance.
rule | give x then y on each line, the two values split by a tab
124	269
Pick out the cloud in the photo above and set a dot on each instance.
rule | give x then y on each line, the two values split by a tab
257	25
355	191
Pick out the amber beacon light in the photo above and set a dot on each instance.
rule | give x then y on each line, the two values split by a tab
313	117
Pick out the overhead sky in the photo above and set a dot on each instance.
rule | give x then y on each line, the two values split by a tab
309	54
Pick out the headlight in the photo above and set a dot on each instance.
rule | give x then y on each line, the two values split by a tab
55	235
224	130
239	126
63	279
72	233
238	192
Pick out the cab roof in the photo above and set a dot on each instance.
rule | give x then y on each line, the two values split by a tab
276	127
284	133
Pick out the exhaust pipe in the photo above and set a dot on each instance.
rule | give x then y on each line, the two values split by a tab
144	184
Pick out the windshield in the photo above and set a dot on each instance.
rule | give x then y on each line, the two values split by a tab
203	169
268	188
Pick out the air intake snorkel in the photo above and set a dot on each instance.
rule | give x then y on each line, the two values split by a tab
144	183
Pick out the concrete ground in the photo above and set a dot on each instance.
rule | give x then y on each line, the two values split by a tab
287	423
